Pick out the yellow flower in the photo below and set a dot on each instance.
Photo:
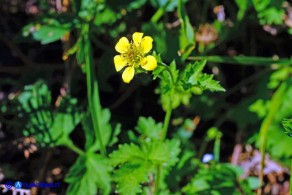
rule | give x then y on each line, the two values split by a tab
133	55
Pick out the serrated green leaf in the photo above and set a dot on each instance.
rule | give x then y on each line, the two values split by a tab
207	83
137	163
287	124
126	153
148	128
109	135
158	71
269	11
48	128
130	176
217	179
165	153
192	76
88	174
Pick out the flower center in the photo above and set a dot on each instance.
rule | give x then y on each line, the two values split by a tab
134	55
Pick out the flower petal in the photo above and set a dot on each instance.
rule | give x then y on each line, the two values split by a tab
146	44
120	62
151	63
137	38
128	74
122	45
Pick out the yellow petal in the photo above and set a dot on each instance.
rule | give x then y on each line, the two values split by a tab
151	63
137	38
128	74
122	45
120	63
146	44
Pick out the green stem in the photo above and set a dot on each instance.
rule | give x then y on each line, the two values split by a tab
171	79
217	149
166	119
165	126
163	136
92	90
74	148
159	13
158	178
274	106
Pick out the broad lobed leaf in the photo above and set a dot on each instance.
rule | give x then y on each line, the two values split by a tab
88	174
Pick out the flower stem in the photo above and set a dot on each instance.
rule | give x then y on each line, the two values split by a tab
92	90
158	178
166	119
163	136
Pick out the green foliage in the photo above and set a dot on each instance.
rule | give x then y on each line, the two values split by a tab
166	5
49	29
48	126
243	6
192	76
273	112
127	5
260	107
89	173
278	76
137	162
220	179
130	176
106	16
180	85
148	128
287	124
186	33
213	133
110	133
269	11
